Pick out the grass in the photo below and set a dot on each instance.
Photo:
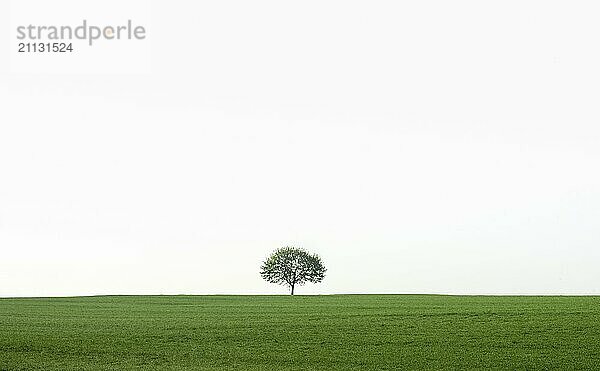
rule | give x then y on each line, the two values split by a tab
345	332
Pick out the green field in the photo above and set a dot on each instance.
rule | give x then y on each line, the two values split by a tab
345	332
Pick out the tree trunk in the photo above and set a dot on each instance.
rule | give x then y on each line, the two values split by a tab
292	289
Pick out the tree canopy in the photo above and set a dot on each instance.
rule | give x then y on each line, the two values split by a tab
292	266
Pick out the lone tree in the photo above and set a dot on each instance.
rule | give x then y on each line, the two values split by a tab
292	266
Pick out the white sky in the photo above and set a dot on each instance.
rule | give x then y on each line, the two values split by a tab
417	146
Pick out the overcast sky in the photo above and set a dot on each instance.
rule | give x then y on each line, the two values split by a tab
417	146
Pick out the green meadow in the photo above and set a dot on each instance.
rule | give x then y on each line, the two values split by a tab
340	332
